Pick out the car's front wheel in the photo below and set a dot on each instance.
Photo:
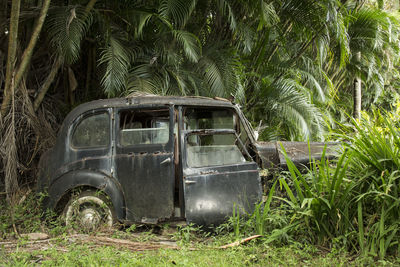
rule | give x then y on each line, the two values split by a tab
89	211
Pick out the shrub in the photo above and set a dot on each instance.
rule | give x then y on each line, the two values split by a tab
356	202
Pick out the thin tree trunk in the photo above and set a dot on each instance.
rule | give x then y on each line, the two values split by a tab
90	5
49	80
89	71
12	48
46	85
357	91
27	55
11	158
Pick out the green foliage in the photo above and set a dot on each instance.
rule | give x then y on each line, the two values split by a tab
67	26
350	203
27	216
248	255
375	169
117	59
187	233
321	199
178	11
289	64
356	201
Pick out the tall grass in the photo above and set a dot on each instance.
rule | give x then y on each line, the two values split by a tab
352	202
375	168
320	200
357	199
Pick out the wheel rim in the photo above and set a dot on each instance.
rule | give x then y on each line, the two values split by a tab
88	213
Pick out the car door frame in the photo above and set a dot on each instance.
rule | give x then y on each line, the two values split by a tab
162	154
215	213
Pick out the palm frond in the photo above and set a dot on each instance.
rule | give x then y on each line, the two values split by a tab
117	59
226	9
268	14
145	77
190	44
67	27
178	11
283	102
245	35
218	68
143	19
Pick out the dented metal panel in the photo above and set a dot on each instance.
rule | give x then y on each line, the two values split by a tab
211	194
146	172
148	182
272	155
147	177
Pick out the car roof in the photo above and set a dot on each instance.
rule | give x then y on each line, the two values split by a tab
145	100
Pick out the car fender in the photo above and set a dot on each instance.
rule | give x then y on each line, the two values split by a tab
78	178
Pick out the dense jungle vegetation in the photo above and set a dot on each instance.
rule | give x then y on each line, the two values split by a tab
301	70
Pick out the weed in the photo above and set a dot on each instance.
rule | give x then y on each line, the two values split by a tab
187	233
131	228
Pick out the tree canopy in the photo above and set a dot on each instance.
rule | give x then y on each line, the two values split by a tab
291	64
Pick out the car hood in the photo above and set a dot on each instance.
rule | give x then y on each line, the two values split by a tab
271	154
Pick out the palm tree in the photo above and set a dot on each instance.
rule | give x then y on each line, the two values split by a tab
374	53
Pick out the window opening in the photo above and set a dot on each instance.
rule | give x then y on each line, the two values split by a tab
213	149
92	131
144	127
208	118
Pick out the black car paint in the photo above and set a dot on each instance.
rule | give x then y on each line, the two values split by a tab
145	193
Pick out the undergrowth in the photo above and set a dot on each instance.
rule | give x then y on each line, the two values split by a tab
349	206
350	203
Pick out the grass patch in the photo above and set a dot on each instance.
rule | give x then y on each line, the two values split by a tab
255	254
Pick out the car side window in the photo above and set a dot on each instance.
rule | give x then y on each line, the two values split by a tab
139	127
92	131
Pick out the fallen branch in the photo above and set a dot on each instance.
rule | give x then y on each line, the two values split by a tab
237	243
95	241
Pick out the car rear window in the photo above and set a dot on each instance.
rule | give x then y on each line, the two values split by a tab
92	131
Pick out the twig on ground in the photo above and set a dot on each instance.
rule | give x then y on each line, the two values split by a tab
237	243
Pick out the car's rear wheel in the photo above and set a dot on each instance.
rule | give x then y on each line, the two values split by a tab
89	211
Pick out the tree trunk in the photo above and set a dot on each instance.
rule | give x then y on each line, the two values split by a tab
27	55
357	91
11	158
57	64
46	85
12	48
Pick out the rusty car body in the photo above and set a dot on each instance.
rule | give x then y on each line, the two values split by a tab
159	158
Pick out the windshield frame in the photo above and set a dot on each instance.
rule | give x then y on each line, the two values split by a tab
240	145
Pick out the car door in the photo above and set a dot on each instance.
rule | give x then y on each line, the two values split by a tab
218	176
144	162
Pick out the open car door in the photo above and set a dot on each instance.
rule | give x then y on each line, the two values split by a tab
218	176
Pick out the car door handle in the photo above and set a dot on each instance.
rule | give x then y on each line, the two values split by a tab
190	182
167	160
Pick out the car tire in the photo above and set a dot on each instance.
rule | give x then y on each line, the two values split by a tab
89	211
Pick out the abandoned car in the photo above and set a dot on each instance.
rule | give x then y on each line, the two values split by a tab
157	158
